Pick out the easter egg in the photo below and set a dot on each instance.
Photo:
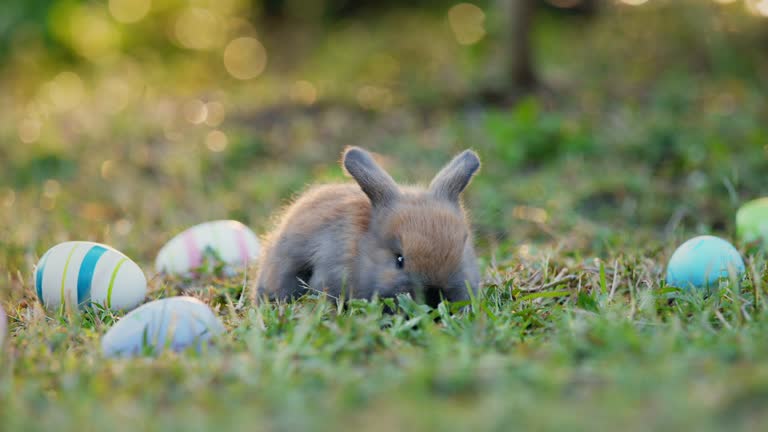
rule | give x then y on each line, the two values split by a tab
80	273
702	261
752	222
229	241
175	323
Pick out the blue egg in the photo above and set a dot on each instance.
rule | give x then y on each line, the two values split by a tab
702	261
175	323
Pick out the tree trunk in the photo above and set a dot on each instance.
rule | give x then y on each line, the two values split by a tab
518	65
510	72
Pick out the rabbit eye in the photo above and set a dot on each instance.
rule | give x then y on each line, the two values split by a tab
400	261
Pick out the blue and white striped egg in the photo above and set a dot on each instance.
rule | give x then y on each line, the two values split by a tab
80	273
175	323
231	241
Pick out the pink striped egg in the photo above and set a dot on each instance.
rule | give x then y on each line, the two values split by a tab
228	240
79	273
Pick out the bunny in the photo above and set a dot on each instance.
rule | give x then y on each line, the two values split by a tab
375	237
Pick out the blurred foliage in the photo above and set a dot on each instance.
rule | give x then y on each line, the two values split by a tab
42	167
649	119
528	137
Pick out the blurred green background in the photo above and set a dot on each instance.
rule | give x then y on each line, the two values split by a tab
600	123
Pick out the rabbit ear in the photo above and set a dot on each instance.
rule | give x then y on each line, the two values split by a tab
454	177
373	180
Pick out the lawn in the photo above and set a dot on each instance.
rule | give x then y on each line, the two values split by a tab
651	129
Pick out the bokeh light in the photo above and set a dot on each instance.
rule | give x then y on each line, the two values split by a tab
115	92
51	188
92	34
216	141
303	92
123	227
195	111
29	130
758	7
199	29
245	58
129	11
467	23
634	2
216	113
66	91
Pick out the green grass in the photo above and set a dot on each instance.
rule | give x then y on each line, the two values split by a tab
547	347
584	193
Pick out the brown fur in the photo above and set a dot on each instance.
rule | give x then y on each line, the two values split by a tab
344	238
432	235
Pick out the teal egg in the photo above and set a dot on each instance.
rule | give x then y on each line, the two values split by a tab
702	261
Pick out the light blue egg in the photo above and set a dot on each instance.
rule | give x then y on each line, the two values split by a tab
702	261
175	323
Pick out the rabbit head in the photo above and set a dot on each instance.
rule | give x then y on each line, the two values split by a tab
418	240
